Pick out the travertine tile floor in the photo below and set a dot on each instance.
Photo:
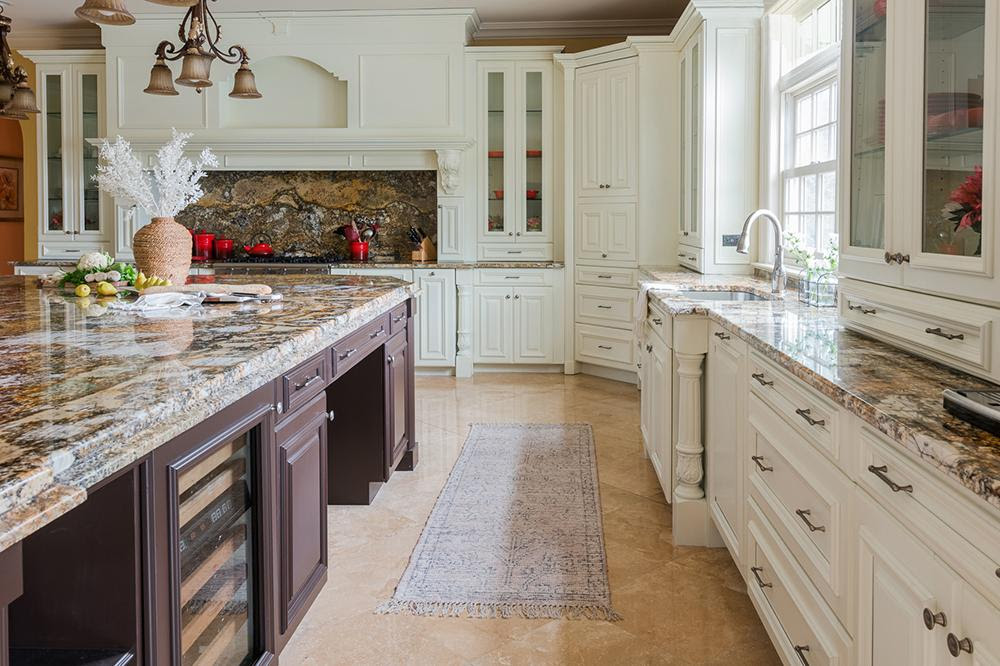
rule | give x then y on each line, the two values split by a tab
681	605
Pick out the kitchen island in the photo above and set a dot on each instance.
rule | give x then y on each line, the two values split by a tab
185	459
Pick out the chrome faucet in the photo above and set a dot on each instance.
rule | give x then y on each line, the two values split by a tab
743	246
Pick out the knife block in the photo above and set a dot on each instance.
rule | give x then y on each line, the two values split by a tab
426	252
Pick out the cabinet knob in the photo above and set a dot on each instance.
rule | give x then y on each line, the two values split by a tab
390	359
956	645
604	255
649	349
330	415
508	297
932	619
517	296
518	233
510	233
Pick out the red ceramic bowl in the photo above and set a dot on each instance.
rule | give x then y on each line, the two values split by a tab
532	194
498	194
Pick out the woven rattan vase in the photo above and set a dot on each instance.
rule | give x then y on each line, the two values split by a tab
163	248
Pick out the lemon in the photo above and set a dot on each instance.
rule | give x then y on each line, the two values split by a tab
106	289
82	291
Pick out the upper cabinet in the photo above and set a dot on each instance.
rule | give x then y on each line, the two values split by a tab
607	130
922	147
690	124
73	215
514	144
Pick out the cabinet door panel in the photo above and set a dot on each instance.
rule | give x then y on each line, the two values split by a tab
397	396
589	133
620	233
435	318
494	325
590	228
89	124
620	122
661	369
724	442
979	624
534	308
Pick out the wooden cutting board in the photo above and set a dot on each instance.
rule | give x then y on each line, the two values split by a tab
255	289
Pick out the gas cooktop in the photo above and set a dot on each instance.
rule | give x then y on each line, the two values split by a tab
285	259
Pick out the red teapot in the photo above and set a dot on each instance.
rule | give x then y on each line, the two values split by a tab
262	248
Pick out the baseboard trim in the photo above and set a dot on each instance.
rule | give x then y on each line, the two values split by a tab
614	374
489	367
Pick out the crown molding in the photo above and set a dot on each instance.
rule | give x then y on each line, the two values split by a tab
595	28
48	39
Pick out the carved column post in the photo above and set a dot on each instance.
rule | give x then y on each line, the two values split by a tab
466	323
689	449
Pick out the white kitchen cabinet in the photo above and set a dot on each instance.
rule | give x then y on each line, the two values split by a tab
661	399
607	233
494	325
978	621
516	325
74	216
534	331
515	140
725	416
921	133
435	319
607	130
690	125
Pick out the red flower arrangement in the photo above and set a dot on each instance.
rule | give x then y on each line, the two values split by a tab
968	213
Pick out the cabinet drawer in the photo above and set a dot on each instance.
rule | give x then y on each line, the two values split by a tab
304	382
691	257
965	535
661	324
605	306
607	277
511	277
398	318
957	334
347	352
812	415
805	498
522	252
801	626
605	346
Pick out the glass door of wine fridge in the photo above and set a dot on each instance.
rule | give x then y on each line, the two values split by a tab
213	509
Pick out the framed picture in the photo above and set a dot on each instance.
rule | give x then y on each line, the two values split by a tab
11	204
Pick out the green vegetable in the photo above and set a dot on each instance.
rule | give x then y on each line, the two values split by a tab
79	276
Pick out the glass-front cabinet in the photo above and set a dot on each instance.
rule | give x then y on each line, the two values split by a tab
73	214
690	126
922	149
515	148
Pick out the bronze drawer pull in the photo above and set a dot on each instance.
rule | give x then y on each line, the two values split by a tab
800	650
880	472
722	336
957	646
759	376
309	382
398	319
947	336
349	353
805	413
657	321
863	309
511	277
603	307
649	349
756	571
931	619
804	515
760	464
605	347
605	277
377	333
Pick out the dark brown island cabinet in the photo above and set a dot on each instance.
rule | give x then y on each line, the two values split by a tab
210	550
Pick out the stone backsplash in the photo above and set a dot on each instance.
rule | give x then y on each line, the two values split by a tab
298	211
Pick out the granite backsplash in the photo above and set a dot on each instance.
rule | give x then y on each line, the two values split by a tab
298	211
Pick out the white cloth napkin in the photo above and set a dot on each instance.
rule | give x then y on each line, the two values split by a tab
163	301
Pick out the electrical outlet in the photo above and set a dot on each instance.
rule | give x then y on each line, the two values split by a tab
730	240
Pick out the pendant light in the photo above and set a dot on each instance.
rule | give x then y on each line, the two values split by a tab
105	12
199	35
161	80
17	99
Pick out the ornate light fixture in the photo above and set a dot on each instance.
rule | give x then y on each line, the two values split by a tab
17	99
199	34
106	12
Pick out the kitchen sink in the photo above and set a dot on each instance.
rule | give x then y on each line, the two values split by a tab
695	295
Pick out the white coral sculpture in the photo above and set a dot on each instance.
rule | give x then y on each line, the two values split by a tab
173	184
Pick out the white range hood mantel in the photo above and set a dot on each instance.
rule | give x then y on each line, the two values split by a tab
306	153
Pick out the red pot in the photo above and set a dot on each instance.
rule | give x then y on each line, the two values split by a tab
359	250
223	248
203	244
259	250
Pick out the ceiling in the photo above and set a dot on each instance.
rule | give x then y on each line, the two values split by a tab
36	15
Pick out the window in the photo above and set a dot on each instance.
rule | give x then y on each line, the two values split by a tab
803	104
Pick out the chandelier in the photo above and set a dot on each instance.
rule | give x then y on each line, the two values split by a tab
199	34
17	99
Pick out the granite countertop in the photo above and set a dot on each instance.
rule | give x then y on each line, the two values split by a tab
343	264
894	391
87	391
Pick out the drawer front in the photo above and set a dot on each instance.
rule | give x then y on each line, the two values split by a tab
800	625
661	324
727	339
812	415
605	306
958	334
512	277
304	382
398	318
607	277
691	257
347	352
964	534
404	274
605	346
521	252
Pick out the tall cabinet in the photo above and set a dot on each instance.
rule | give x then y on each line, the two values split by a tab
920	199
73	214
513	112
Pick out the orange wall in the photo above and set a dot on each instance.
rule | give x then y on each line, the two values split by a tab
11	230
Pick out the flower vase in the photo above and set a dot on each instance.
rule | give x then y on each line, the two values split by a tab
162	248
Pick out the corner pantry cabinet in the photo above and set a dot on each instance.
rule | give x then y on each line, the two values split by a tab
71	96
513	112
920	173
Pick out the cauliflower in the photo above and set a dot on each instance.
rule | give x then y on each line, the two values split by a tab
94	260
